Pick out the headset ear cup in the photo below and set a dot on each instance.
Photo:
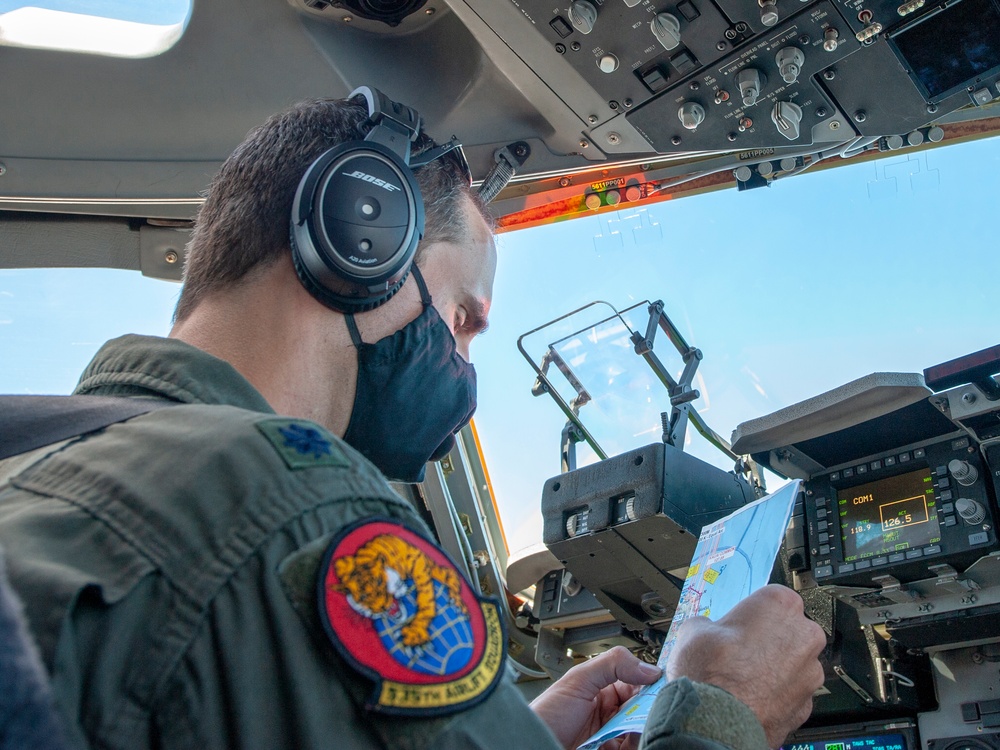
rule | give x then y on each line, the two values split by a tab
335	301
357	220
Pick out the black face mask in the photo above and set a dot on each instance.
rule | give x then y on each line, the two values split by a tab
414	393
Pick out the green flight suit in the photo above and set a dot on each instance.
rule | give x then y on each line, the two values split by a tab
168	569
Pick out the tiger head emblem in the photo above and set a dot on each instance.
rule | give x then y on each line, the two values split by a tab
384	570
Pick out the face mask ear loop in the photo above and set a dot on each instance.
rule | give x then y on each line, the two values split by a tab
425	296
352	328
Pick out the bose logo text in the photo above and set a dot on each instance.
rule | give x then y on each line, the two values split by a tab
374	180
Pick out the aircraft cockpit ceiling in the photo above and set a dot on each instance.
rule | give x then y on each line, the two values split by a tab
608	101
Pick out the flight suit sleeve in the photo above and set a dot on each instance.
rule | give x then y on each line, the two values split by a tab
503	718
694	716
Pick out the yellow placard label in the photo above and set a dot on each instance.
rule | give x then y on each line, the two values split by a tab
693	570
711	575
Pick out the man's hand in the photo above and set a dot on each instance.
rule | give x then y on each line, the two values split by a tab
764	652
583	699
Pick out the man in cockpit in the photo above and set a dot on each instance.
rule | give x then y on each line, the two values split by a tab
212	574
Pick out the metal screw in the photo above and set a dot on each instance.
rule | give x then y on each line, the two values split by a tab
561	48
613	105
676	140
627	103
592	119
645	167
804	39
731	137
969	398
575	46
931	109
835	125
730	34
977	658
741	27
346	19
614	139
520	150
821	112
860	116
564	182
829	75
694	85
583	143
3	169
721	46
170	256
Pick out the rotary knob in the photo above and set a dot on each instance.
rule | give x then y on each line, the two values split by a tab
971	511
965	473
768	12
787	117
583	15
630	512
691	115
750	82
667	30
789	61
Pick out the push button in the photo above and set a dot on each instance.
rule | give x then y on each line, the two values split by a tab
932	550
950	521
863	469
876	465
683	62
919	453
981	538
821	514
863	564
846	568
824	538
913	554
824	549
946	495
687	9
848	473
880	561
890	461
904	457
897	557
655	80
823	570
947	507
561	26
835	476
822	525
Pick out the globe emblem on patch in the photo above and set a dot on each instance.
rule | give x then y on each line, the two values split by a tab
451	644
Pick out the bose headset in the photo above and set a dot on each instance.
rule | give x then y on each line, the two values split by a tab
358	215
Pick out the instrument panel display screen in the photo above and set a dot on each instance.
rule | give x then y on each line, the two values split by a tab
888	516
949	50
872	742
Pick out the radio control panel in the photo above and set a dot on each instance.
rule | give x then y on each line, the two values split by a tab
899	513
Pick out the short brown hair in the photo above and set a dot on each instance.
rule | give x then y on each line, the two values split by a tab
244	222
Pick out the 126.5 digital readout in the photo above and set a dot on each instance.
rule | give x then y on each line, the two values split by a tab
888	515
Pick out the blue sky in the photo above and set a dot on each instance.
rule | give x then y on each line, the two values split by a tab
165	12
788	291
